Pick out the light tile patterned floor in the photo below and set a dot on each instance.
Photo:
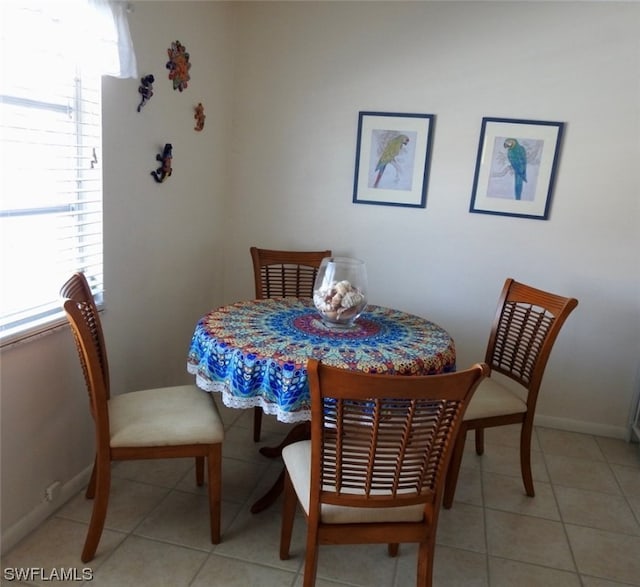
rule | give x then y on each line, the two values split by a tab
581	529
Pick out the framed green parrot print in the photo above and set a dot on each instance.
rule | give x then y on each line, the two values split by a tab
516	167
392	159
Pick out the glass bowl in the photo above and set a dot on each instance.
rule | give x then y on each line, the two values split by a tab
340	290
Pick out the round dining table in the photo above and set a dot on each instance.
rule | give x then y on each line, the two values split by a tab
255	352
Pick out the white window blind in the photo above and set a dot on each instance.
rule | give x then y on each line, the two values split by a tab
51	190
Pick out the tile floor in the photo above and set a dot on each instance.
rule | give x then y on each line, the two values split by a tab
581	529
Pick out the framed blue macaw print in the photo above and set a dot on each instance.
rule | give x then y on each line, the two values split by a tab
516	167
392	159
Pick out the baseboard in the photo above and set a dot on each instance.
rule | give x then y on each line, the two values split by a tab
582	427
46	509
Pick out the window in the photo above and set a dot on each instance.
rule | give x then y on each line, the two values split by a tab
51	143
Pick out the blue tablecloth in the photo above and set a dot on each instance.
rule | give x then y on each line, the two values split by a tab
255	352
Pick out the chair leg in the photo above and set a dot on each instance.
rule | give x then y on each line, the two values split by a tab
257	423
393	549
311	557
288	515
479	441
425	565
214	479
199	471
91	488
454	469
525	458
102	485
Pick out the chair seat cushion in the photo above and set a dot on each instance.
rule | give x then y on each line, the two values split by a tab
297	458
165	416
493	399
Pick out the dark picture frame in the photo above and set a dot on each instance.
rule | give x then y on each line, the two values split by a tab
516	167
392	159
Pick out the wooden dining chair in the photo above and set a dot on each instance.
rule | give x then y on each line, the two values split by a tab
281	274
373	471
526	325
170	422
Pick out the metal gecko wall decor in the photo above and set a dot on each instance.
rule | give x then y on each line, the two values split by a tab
199	116
145	90
165	169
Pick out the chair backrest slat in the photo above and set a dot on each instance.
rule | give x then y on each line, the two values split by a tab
384	440
82	313
525	327
285	273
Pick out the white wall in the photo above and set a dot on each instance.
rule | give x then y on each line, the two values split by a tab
305	70
282	84
163	249
164	242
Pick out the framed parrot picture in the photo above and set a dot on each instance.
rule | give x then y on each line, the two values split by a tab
392	159
516	167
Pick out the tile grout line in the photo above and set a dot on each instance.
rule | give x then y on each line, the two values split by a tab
485	524
622	491
555	498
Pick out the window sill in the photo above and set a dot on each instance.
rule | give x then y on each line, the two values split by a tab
33	331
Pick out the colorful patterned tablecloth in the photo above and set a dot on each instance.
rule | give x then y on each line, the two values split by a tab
255	352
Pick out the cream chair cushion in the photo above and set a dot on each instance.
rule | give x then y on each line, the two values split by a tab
297	458
493	399
165	416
